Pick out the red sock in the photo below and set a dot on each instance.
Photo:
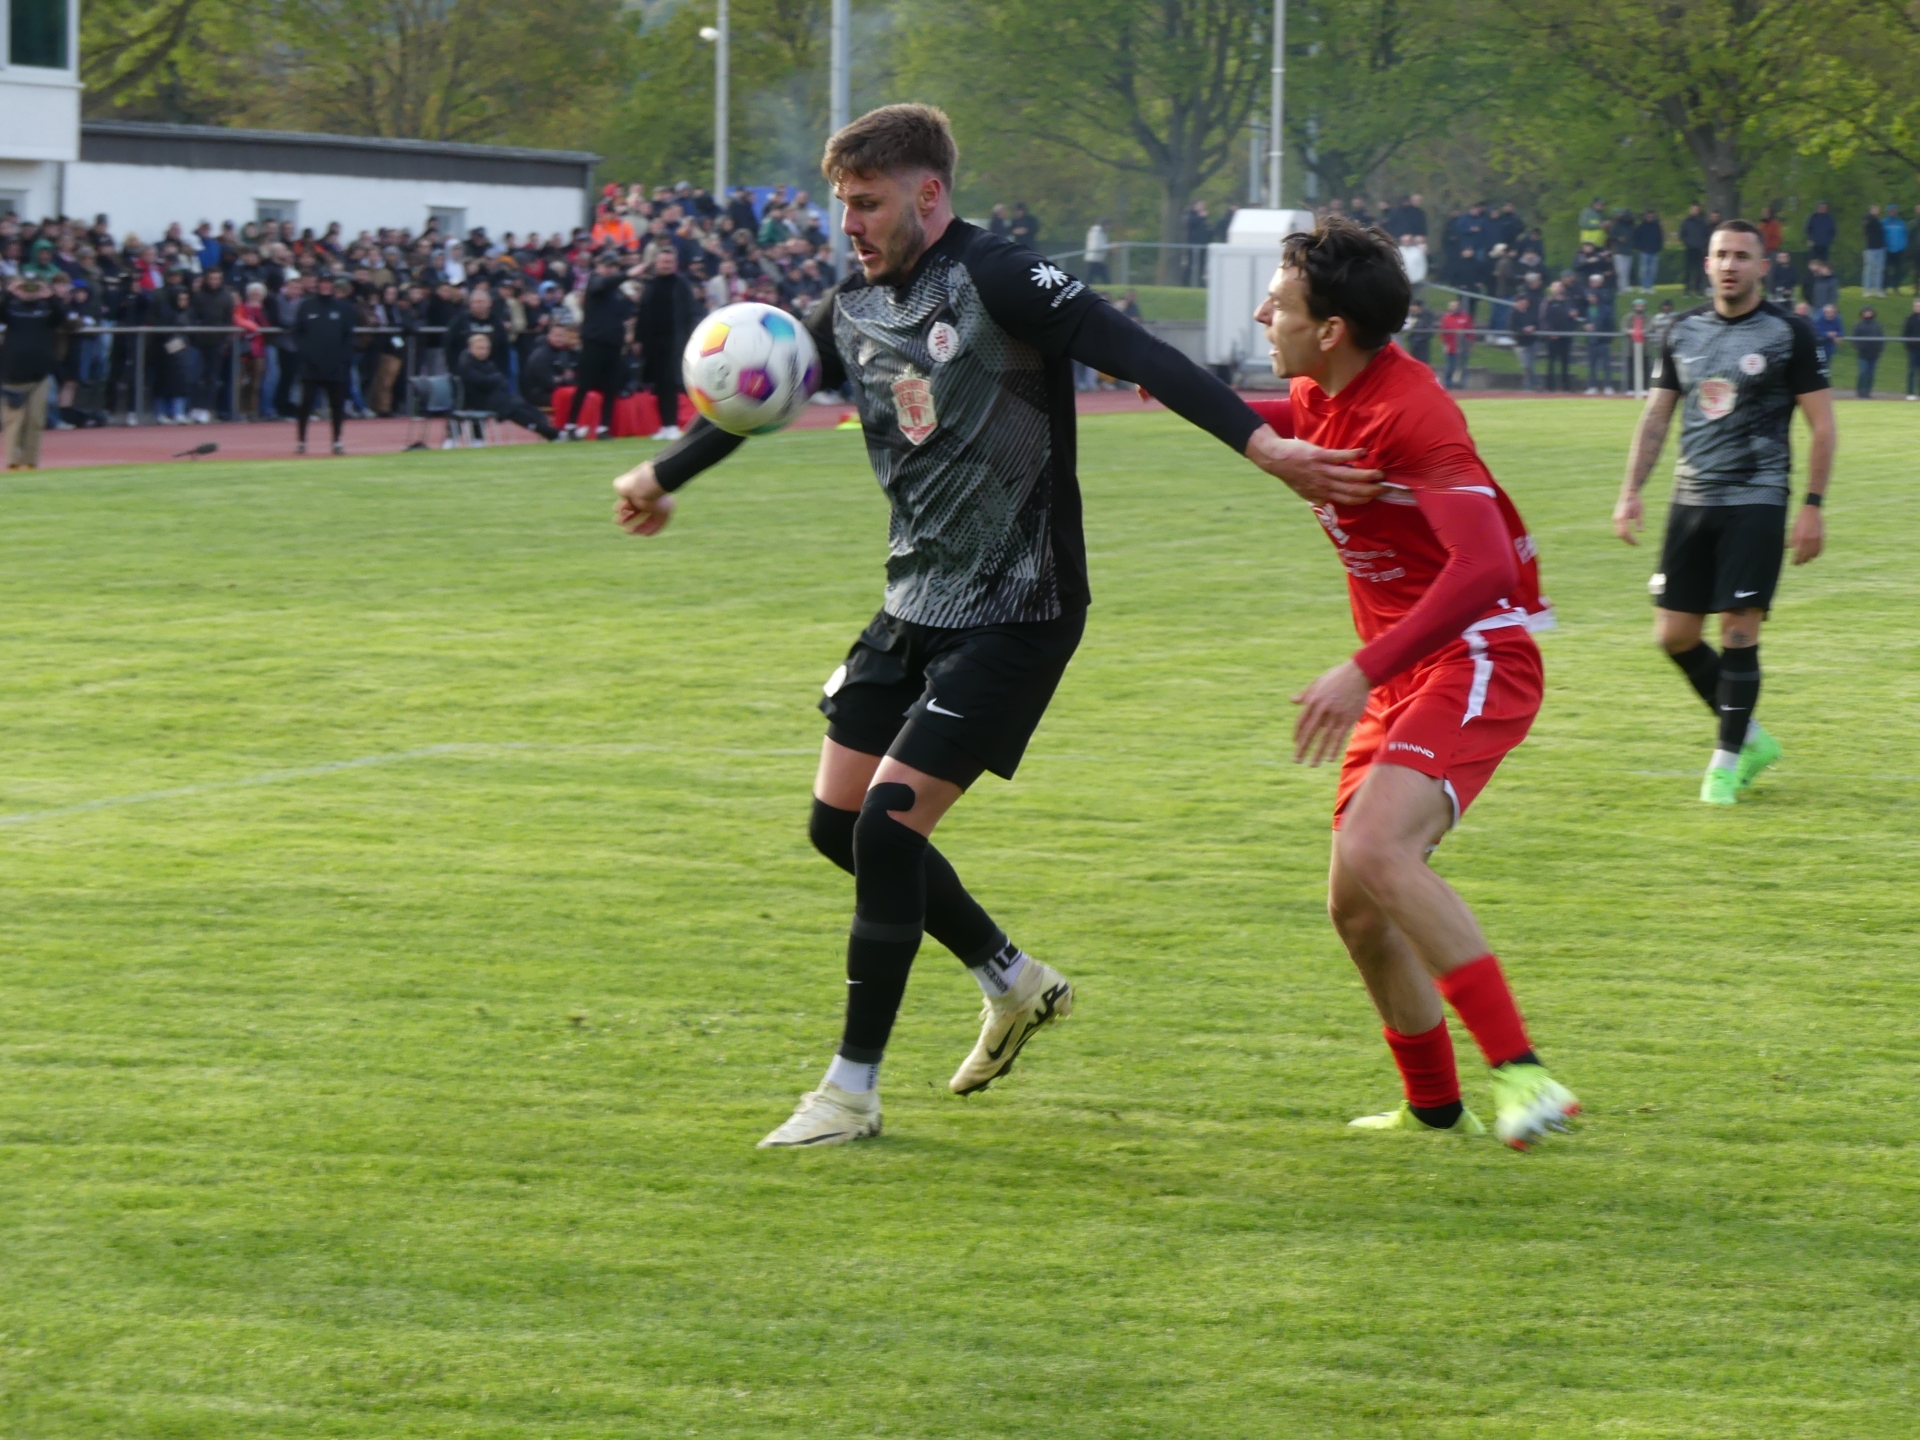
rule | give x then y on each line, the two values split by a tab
1426	1066
1479	996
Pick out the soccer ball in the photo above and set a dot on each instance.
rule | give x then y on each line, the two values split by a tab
750	368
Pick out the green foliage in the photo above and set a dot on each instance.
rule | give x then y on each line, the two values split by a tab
416	1099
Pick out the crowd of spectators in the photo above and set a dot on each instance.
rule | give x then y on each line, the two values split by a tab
235	294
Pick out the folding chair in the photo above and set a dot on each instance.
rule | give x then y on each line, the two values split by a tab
430	398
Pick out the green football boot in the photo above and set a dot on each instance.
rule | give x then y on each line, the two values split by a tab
1528	1102
1720	785
1405	1119
1760	751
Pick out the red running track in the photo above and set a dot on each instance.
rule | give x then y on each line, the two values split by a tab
273	439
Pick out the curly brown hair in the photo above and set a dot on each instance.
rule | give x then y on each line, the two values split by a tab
1353	271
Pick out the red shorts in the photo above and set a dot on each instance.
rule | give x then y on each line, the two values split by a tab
1454	716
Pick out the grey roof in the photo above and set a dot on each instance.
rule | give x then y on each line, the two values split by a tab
161	130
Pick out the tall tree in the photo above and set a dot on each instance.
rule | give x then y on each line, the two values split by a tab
1368	80
1857	94
165	59
1160	88
1714	72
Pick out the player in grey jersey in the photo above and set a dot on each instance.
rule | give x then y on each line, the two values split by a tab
958	345
1736	369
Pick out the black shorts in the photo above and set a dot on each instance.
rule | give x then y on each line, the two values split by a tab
1720	557
949	702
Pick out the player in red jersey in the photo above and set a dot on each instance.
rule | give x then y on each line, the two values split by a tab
1445	591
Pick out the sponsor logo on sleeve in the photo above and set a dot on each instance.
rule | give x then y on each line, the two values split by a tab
1047	276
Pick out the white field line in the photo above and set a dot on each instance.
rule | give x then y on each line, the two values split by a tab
308	772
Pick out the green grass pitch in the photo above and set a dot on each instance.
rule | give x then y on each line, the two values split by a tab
416	1096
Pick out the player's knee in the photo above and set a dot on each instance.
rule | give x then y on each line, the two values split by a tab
877	834
831	831
1376	863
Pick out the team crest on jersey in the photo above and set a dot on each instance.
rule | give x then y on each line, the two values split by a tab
913	403
1717	398
1752	364
943	342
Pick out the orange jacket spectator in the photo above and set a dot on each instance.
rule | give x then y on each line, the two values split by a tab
611	229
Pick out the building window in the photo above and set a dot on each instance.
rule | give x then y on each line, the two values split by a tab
452	222
13	202
277	211
38	34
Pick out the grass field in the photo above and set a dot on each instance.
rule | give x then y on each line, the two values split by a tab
410	927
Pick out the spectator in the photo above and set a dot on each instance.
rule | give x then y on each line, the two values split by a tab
1649	238
1199	232
1558	320
1829	329
178	370
1503	272
1456	339
997	221
1694	236
35	317
1416	335
603	337
1873	253
323	340
478	315
387	354
1823	286
1773	236
1820	232
286	358
1620	248
1129	306
1598	322
483	387
550	366
1524	325
1593	224
212	305
1023	228
251	316
1409	218
663	323
1894	229
1910	334
1413	257
1782	278
1869	340
1097	248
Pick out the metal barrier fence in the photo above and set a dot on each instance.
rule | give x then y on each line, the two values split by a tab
136	379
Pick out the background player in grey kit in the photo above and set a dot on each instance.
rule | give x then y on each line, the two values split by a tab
959	345
1736	368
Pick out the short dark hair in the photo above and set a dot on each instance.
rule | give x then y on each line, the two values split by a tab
892	138
1355	272
1739	227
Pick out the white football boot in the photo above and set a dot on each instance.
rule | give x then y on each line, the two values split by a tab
1039	997
828	1116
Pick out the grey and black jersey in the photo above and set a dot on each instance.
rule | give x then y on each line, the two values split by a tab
1738	380
964	381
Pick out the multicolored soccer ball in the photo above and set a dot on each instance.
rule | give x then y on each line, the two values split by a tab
750	368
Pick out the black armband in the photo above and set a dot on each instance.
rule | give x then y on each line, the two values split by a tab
701	448
1815	498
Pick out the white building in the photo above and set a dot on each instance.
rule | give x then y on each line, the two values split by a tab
145	176
39	101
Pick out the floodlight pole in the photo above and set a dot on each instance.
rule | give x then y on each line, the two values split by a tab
721	62
1275	144
837	117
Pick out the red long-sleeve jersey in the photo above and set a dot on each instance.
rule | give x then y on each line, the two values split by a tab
1443	551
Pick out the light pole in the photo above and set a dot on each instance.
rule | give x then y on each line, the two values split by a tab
1275	143
837	117
717	35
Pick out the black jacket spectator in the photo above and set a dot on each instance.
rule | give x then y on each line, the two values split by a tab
323	337
1648	237
482	386
34	323
1869	339
212	307
668	311
1873	234
1694	232
465	324
606	310
547	369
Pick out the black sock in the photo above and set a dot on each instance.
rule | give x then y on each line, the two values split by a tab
1440	1117
889	914
954	917
1525	1057
1739	693
1702	667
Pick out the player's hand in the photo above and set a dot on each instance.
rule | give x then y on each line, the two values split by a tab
1809	534
1629	518
1315	475
1328	709
644	507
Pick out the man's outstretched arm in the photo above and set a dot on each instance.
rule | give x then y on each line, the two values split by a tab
1109	342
